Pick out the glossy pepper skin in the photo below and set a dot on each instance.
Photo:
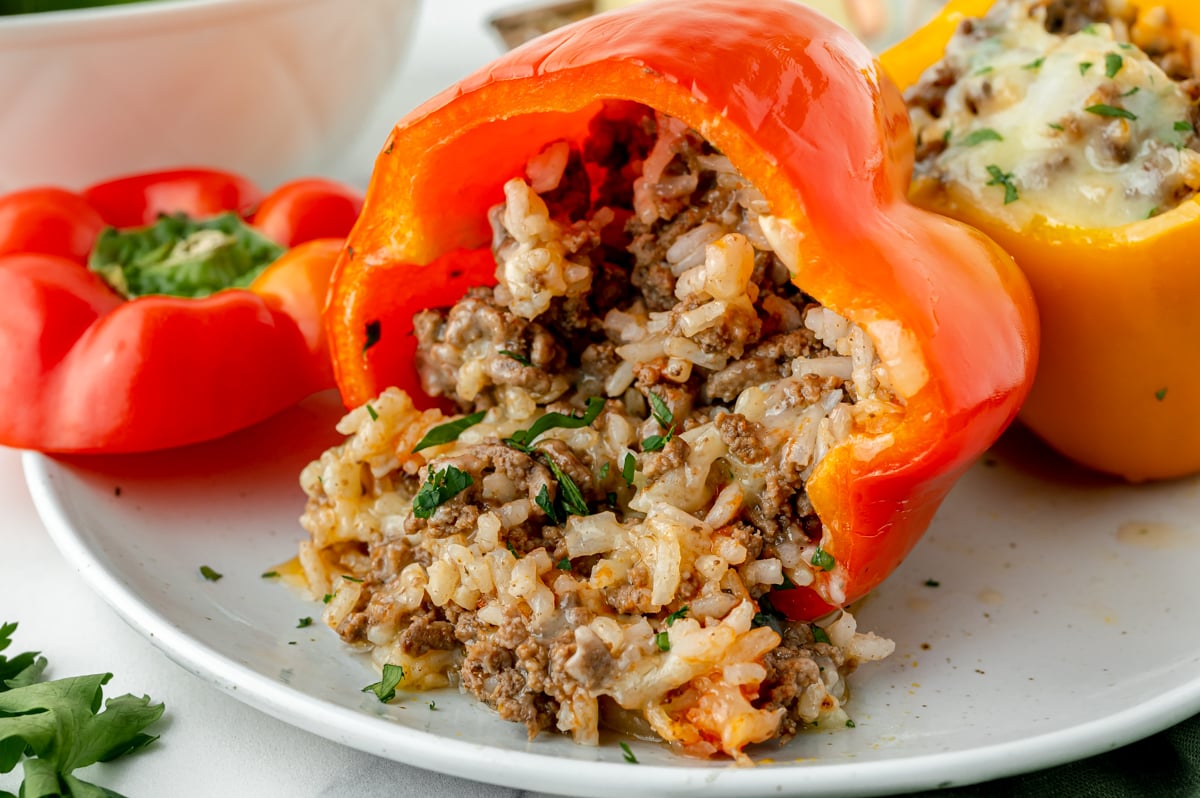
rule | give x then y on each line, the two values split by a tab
802	110
87	371
1117	387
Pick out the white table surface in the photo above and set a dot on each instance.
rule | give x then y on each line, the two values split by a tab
210	744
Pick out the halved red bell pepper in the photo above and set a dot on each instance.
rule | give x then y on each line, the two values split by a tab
89	370
805	114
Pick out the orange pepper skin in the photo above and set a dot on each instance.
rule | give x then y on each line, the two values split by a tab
1117	387
805	114
87	371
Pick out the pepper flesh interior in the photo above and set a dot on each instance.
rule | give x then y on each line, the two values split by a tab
623	565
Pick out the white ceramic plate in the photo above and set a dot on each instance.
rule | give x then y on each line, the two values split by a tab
1046	616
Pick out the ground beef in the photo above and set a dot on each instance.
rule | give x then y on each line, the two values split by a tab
672	455
507	670
789	672
521	353
743	437
427	632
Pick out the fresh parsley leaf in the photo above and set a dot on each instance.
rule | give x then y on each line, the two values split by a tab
1111	111
627	753
1002	178
819	635
628	465
564	564
512	549
372	412
823	559
1112	64
1034	64
328	597
523	439
439	488
371	333
448	432
979	136
932	583
385	688
1183	127
1132	91
54	728
432	706
1054	126
269	575
350	578
210	574
604	470
663	641
677	615
1160	394
524	361
984	70
850	723
1084	66
304	623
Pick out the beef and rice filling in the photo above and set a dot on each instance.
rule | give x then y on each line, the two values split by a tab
643	395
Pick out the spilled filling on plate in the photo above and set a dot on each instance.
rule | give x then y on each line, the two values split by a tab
1082	112
591	542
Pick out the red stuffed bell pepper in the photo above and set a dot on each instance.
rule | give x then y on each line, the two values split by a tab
124	340
808	118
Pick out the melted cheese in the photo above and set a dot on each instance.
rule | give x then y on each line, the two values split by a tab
1019	132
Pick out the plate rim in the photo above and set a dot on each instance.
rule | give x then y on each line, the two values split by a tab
527	770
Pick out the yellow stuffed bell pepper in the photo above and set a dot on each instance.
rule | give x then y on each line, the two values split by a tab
1116	272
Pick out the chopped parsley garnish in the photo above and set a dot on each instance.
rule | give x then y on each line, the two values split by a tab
679	614
610	499
569	495
1111	111
1089	29
524	361
371	333
433	706
269	575
627	753
1160	394
304	623
350	578
328	597
385	688
1112	64
523	439
564	564
665	418
448	432
1054	125
512	549
656	443
1184	127
768	615
658	408
439	488
983	70
1034	64
1002	178
820	635
979	136
543	500
604	470
849	723
1150	214
823	559
373	413
663	641
1084	66
209	573
627	468
932	583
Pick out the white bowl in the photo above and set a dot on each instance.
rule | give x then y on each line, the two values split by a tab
272	89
